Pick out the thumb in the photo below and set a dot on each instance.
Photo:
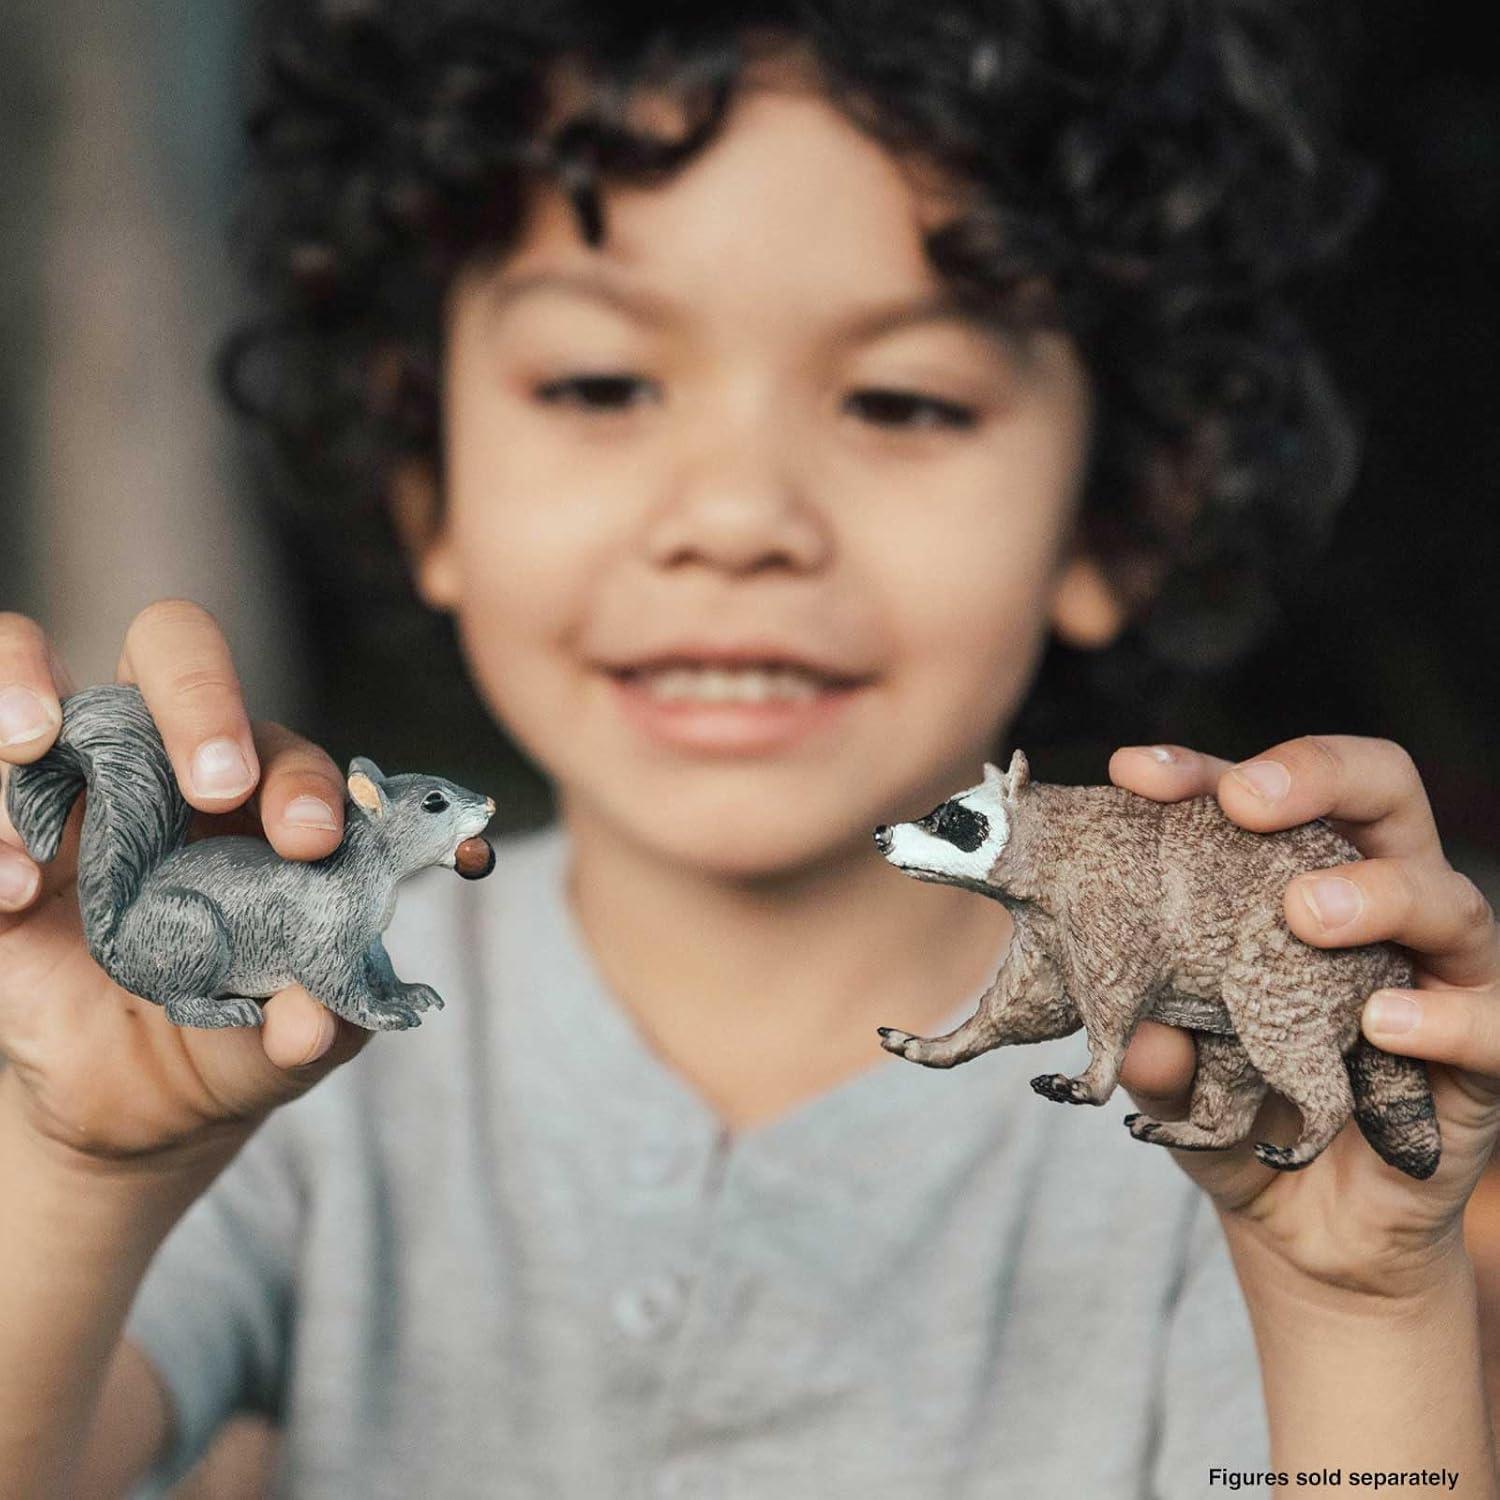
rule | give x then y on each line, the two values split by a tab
304	1039
1158	1070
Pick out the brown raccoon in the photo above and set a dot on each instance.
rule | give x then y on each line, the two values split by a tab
1127	908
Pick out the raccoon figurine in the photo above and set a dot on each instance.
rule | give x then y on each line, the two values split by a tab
1127	908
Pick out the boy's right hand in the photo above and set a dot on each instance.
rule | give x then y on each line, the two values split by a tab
94	1068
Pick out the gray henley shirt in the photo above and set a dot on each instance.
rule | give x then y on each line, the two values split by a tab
512	1253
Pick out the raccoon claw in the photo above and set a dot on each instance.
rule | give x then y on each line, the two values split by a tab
1062	1089
1282	1158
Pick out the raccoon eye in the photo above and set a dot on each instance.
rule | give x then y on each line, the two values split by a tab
434	802
961	826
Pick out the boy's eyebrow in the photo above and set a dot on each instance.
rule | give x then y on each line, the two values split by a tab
648	307
942	306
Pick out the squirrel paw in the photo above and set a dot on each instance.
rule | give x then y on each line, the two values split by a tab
209	1012
421	996
394	1015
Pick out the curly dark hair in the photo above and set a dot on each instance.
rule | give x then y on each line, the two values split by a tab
1164	169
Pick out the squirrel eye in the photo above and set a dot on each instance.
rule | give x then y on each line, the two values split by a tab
434	802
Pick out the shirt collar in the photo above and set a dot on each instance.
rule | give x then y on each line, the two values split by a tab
572	1023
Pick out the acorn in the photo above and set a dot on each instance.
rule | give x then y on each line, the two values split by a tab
474	859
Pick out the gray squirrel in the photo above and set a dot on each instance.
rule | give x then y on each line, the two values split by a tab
208	928
1125	909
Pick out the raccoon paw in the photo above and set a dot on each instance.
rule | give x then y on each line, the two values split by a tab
894	1040
1141	1126
1283	1158
1062	1089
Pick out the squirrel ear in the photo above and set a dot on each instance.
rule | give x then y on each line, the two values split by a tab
363	767
1019	774
366	794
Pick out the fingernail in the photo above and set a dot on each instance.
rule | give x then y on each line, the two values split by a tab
310	812
23	716
19	878
220	769
1392	1013
1333	900
1267	779
1162	753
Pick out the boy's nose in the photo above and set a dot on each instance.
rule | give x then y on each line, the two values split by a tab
883	839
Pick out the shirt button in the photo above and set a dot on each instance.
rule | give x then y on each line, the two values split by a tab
657	1161
648	1307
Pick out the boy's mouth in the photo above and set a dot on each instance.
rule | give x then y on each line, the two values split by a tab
742	707
716	682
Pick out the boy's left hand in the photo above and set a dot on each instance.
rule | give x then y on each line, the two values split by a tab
1348	1220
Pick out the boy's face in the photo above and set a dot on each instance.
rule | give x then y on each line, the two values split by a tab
732	444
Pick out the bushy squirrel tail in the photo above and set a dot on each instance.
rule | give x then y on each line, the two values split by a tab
1394	1108
134	817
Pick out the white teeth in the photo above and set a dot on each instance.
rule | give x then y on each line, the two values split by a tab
724	685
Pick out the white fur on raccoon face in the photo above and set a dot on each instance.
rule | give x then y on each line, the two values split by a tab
958	842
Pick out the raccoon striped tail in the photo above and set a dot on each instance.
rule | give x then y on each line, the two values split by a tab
134	817
1394	1109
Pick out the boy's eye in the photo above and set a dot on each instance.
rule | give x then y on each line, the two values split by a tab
434	802
603	392
889	408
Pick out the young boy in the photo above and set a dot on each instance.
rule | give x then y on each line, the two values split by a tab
753	525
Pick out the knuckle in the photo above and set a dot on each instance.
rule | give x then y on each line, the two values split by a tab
1475	1022
1404	889
1472	907
204	686
1321	749
1401	762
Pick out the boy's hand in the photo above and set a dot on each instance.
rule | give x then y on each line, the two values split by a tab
93	1067
1349	1220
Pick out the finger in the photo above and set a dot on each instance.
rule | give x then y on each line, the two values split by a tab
8	834
1165	773
1369	788
304	1038
20	879
297	1029
177	655
1158	1068
1458	1027
1428	907
26	886
300	802
30	711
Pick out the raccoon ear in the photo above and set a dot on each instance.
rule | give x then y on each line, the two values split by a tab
992	774
1019	774
367	794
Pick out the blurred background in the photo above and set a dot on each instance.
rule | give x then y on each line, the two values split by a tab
119	124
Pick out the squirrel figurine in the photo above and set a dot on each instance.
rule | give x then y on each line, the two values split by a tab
208	928
1127	908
